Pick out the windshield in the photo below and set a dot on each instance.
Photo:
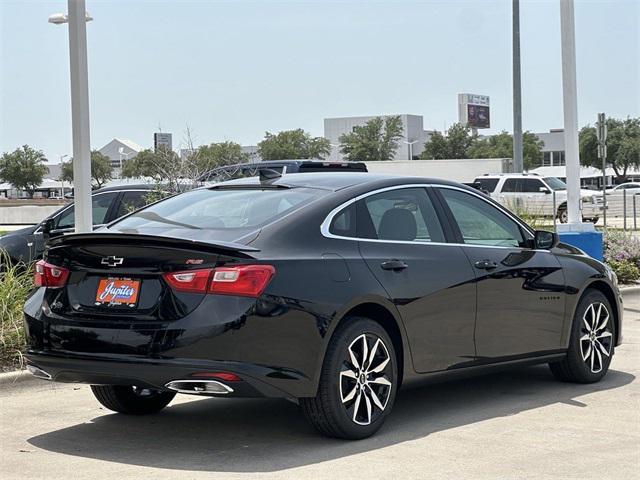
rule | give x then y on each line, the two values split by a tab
555	183
220	209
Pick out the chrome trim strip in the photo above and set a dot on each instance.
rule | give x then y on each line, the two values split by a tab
174	385
324	228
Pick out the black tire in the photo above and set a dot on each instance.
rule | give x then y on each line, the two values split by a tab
587	361
333	411
131	400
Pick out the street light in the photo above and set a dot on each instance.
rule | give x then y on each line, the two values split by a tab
77	19
410	147
62	157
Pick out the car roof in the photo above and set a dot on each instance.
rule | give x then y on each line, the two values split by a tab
333	181
125	187
508	175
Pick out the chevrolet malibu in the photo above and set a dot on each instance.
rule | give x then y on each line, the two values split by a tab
332	290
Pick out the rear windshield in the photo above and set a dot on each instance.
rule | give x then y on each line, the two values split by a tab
221	208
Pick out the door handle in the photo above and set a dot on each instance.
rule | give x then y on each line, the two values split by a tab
393	265
485	265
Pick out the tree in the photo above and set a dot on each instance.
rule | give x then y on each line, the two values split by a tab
23	168
163	166
292	145
215	155
501	146
454	144
101	169
623	146
376	140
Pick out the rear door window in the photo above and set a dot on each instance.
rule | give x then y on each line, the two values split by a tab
487	184
405	214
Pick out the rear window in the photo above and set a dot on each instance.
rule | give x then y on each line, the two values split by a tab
487	184
221	208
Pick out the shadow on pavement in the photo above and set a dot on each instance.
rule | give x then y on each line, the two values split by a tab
265	435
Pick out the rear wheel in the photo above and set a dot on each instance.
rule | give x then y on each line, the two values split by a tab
132	400
358	382
592	341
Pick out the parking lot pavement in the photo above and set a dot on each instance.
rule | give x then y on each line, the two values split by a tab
512	425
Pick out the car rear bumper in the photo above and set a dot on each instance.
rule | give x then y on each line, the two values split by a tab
153	373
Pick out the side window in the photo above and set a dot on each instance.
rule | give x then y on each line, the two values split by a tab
405	214
531	185
100	205
511	185
130	202
344	223
480	222
488	184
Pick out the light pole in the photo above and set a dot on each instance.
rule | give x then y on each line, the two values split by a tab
518	163
77	18
570	106
62	157
410	147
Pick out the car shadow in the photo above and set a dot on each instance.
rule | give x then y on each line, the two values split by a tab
266	435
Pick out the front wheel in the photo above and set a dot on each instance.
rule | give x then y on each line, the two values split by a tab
358	382
131	400
592	341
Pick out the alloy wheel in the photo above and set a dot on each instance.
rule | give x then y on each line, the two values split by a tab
596	338
365	379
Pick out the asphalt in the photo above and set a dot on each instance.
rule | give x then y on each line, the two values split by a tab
520	424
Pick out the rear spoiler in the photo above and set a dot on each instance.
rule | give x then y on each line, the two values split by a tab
151	240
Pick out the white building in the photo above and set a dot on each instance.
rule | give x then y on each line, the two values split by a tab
120	150
411	144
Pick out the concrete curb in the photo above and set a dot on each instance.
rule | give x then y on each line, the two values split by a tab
19	377
630	289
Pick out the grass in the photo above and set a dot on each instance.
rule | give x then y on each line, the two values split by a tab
15	284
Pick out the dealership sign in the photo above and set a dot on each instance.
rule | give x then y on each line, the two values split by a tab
473	110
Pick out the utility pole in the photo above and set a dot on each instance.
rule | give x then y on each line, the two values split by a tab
602	154
518	163
570	105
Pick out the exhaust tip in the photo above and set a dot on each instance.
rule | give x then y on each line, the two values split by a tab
38	372
199	387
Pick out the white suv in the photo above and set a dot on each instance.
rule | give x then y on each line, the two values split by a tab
534	195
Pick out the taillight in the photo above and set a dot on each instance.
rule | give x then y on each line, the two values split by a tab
241	280
191	281
48	275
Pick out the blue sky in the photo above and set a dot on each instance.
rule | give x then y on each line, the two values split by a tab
233	69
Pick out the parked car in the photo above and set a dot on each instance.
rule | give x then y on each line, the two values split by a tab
331	289
241	170
109	203
630	188
534	194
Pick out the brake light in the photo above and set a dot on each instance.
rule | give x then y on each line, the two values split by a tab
242	280
190	281
48	275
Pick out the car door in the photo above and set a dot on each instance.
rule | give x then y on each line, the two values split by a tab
520	290
538	197
403	242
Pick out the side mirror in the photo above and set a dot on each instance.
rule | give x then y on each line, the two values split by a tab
544	240
545	190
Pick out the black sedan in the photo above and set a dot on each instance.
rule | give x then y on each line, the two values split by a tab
329	289
108	203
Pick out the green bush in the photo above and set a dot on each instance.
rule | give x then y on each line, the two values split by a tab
16	281
626	271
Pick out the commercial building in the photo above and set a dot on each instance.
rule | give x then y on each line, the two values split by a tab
414	136
120	150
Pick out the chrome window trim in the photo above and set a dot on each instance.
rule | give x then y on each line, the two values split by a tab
324	227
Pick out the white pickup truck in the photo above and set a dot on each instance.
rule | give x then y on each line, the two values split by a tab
534	195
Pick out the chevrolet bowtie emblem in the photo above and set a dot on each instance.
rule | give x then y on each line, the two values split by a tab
112	261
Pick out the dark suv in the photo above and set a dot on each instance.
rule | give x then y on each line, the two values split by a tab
241	170
108	204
